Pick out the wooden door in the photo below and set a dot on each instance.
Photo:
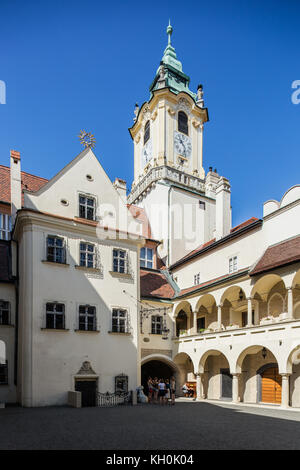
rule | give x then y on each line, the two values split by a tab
271	386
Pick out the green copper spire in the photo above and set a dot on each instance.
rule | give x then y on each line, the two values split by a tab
169	32
169	74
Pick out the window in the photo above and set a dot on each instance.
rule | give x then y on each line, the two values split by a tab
55	316
156	325
121	383
87	255
56	250
196	279
200	324
4	312
146	257
5	226
119	321
233	264
4	374
147	132
202	205
183	123
119	261
87	207
87	318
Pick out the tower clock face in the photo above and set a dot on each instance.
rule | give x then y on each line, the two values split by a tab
182	144
146	153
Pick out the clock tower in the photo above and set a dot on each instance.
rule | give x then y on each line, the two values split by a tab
169	179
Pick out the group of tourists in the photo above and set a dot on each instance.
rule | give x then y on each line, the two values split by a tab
161	391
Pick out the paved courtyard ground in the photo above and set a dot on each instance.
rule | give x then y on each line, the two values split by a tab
187	425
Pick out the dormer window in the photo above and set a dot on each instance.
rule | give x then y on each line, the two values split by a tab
183	123
147	132
87	207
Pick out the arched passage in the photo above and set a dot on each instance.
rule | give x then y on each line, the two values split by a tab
183	318
293	368
234	307
259	379
157	366
186	371
270	293
206	309
216	377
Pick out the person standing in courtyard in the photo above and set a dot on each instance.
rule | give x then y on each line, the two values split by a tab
150	389
172	389
161	391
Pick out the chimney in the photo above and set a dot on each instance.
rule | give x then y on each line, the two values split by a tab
223	208
15	183
121	187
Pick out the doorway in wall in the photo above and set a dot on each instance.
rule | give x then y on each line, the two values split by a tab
271	385
88	389
158	369
226	384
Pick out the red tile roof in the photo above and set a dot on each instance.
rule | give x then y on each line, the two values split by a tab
189	290
244	224
29	182
278	255
154	284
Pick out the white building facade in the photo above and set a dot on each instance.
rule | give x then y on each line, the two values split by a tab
100	290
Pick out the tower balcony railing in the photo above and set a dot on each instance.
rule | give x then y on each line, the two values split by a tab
165	172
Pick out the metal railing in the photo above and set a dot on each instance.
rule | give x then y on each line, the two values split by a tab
114	399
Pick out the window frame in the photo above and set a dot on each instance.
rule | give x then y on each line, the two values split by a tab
86	252
7	309
233	264
147	132
87	206
55	313
156	324
184	129
196	279
119	326
203	319
55	248
5	226
145	259
119	259
86	316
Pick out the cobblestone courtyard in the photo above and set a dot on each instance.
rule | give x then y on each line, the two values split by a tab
184	426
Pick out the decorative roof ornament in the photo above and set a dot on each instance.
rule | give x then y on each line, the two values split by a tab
169	32
200	100
87	139
136	111
169	74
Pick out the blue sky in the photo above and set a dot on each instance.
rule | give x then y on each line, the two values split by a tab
71	65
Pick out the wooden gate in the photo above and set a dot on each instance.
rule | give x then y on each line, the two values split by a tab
271	386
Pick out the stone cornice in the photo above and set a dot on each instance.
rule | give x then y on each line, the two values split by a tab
30	217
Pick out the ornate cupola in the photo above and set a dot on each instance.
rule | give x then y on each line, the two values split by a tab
169	74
